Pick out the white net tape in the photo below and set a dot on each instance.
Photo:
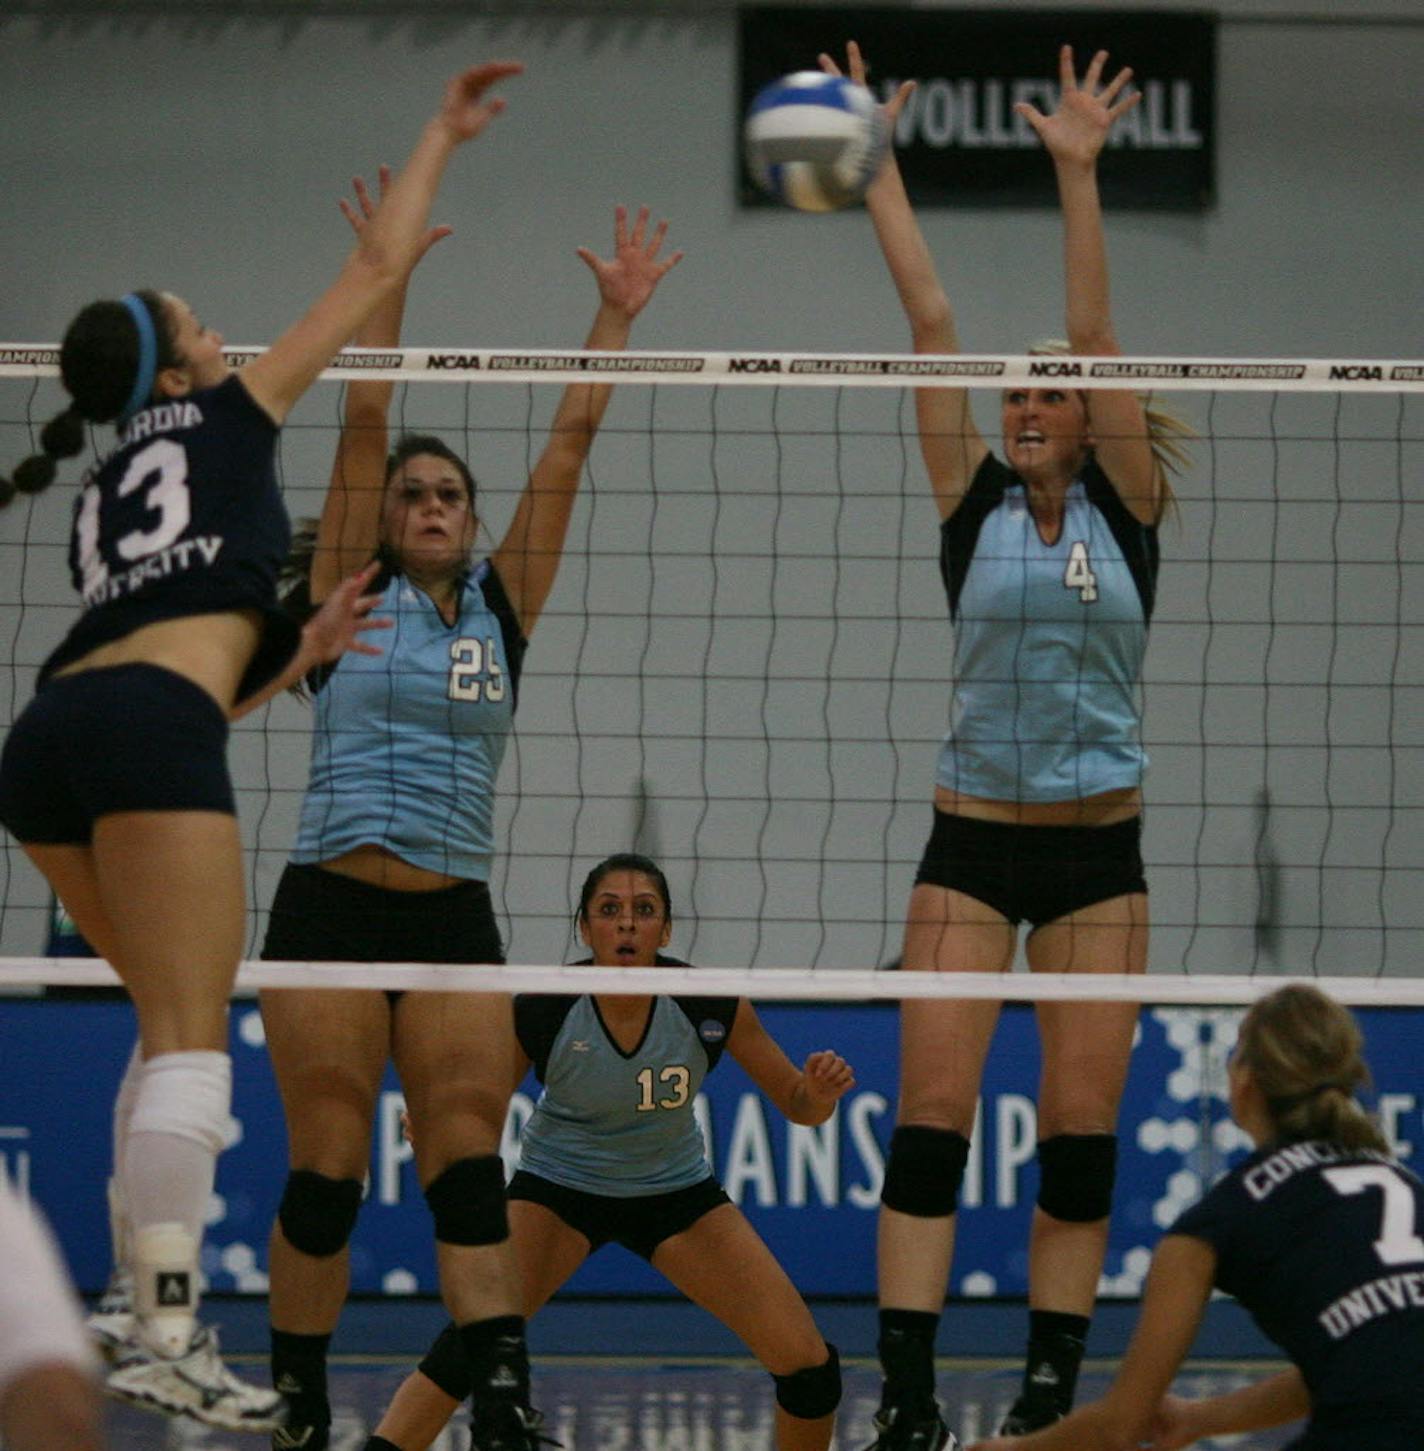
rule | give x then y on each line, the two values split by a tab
784	984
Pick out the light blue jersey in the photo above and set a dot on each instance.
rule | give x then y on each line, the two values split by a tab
616	1123
1048	641
407	744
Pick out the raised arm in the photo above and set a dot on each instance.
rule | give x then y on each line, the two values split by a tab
386	249
949	440
350	525
528	557
1074	135
805	1095
1178	1287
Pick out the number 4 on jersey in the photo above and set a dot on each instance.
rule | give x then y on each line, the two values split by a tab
1079	573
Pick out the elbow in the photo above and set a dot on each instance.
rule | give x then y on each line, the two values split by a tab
363	412
932	324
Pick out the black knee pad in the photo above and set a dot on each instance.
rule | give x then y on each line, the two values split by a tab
924	1172
1076	1174
317	1214
811	1393
448	1366
467	1200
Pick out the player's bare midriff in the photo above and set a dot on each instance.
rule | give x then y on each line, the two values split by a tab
213	651
1105	809
378	867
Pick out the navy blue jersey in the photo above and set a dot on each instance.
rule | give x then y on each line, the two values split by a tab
1323	1246
407	744
614	1122
184	517
1048	640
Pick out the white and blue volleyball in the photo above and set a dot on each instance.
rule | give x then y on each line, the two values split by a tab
815	141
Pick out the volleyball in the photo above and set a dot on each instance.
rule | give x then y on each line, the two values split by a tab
815	141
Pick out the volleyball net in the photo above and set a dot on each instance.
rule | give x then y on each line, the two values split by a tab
743	670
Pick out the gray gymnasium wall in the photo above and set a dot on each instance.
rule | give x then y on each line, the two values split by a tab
202	151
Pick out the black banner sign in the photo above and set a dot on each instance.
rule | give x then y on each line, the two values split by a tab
958	139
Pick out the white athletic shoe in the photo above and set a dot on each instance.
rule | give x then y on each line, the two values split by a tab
111	1322
195	1384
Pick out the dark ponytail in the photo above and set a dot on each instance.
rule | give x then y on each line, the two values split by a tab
99	364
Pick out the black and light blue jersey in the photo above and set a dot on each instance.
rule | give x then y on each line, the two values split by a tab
616	1123
184	517
1048	641
407	744
1323	1246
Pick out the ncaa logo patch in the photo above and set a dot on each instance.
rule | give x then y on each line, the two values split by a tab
711	1031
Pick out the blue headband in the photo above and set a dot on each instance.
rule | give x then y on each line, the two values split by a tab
147	355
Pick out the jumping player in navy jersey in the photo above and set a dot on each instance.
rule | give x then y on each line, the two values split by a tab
613	1153
1049	560
114	778
1319	1234
393	857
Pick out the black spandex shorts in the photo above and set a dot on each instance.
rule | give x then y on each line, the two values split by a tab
639	1223
321	916
1036	874
124	738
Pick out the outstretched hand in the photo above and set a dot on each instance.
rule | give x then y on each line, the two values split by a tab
465	111
826	1077
344	616
365	208
1078	128
630	278
857	69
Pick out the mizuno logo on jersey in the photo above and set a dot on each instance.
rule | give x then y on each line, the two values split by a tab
579	1045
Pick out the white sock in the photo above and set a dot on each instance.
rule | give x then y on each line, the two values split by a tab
118	1201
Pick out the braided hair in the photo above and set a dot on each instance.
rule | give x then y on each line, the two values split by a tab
108	360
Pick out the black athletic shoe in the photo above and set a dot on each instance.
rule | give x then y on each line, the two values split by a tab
911	1426
508	1426
1031	1412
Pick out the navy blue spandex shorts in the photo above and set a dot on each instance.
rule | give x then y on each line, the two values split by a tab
122	738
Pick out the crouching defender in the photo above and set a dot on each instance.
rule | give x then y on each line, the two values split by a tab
613	1153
